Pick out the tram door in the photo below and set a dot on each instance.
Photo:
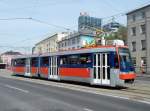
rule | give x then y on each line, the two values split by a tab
101	69
27	67
53	69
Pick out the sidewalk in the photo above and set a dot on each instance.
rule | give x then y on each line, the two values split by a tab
143	74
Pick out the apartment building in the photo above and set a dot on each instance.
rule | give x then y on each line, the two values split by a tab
49	44
76	40
138	24
6	57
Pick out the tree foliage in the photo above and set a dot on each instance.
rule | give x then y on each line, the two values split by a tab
120	34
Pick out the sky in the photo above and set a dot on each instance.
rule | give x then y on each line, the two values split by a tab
23	34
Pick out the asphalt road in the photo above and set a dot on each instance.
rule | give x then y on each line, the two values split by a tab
17	95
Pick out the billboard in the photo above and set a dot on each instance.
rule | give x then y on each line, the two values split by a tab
87	40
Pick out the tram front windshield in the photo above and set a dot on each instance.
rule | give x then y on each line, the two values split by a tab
125	60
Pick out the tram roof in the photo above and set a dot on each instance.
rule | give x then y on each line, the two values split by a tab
25	56
75	51
84	50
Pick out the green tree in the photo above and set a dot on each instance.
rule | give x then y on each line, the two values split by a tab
120	34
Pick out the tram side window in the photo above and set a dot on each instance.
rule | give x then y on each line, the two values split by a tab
73	59
116	62
45	61
85	59
19	62
34	62
63	60
76	59
69	60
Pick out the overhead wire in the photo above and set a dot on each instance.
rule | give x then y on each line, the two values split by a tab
15	18
43	22
62	27
126	11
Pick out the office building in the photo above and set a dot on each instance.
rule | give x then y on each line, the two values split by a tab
138	24
75	40
85	22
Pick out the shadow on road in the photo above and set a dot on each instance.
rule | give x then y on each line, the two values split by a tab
74	83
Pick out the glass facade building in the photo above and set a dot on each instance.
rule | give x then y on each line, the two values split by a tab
85	22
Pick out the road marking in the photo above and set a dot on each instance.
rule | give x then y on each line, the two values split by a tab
142	101
87	109
12	87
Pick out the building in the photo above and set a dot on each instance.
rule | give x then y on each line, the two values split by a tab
7	57
111	27
85	22
49	44
75	41
138	24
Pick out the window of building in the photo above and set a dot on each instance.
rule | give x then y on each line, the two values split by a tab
143	44
133	31
78	40
133	18
143	29
69	42
134	61
142	14
59	45
133	46
65	43
62	44
73	41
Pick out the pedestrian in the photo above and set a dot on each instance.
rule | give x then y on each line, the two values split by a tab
142	67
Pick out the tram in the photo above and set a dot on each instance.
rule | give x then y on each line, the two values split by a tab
101	65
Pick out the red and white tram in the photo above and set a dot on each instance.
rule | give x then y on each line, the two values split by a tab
103	65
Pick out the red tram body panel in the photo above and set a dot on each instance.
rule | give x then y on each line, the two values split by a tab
75	72
19	70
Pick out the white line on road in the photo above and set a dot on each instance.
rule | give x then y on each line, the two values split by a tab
12	87
87	109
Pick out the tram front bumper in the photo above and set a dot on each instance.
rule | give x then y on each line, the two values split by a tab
127	76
